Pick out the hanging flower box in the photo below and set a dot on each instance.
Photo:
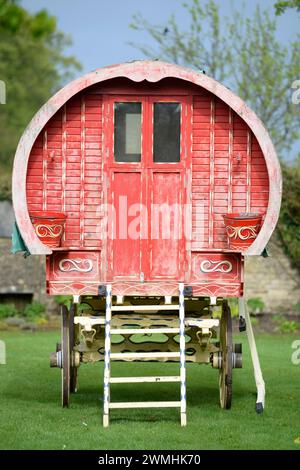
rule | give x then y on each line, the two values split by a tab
242	229
49	226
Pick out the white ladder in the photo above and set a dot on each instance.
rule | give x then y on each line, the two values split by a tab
107	404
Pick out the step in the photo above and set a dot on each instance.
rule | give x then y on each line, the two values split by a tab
141	331
125	380
146	404
140	355
204	323
142	308
88	321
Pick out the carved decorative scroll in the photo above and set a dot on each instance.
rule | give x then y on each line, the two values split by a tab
208	266
52	231
242	233
80	265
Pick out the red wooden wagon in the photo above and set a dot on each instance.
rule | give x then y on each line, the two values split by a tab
145	184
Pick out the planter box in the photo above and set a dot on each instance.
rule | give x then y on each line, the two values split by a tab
49	226
242	229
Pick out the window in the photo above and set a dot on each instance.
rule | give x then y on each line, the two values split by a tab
166	132
127	132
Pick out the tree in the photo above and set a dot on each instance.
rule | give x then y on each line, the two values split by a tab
243	53
32	65
288	226
282	6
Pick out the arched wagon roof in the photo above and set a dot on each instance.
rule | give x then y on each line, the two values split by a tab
151	71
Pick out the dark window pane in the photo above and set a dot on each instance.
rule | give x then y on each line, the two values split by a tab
166	132
127	138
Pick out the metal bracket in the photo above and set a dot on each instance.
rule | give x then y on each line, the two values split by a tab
188	291
102	290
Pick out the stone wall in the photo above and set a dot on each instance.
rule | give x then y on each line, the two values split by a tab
22	276
273	280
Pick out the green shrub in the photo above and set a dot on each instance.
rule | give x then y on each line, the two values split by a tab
254	321
255	305
8	310
34	310
234	307
63	300
285	326
297	306
289	327
5	186
288	226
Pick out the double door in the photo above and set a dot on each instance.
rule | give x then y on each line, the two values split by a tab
145	165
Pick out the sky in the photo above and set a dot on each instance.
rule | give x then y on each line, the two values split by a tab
100	28
101	34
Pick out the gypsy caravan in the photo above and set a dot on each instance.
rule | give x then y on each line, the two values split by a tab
145	185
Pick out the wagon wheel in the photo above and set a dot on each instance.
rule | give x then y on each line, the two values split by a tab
65	350
73	369
225	377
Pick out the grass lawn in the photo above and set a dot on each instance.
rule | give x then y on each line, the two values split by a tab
31	416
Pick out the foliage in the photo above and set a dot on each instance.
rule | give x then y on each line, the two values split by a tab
34	310
254	321
242	52
8	310
255	305
289	220
5	185
234	307
282	6
32	65
289	326
286	326
63	300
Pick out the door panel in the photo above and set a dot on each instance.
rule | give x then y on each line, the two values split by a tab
126	243
166	225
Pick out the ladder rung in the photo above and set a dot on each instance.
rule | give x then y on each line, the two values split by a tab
132	331
139	308
125	380
146	404
134	355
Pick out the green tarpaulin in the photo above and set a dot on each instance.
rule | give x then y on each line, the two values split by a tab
18	242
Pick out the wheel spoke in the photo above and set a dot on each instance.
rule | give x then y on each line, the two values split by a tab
225	378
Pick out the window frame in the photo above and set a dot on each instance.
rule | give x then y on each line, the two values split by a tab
147	128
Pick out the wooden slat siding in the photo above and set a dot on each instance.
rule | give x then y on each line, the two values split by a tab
230	160
239	164
223	142
73	157
45	155
34	179
63	162
82	193
53	163
201	127
248	194
211	172
259	180
93	169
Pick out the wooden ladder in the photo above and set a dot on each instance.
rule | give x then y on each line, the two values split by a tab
107	404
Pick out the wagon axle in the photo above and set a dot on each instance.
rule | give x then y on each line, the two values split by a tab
216	358
56	359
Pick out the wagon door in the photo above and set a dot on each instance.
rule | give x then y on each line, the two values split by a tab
166	186
144	148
